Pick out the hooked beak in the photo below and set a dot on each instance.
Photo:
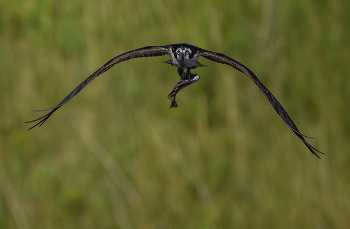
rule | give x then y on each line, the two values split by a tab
182	56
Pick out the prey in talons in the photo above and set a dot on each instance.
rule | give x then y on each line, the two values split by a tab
186	79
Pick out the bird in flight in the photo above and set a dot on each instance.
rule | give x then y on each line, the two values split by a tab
184	57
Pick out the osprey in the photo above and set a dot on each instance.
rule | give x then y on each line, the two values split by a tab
184	57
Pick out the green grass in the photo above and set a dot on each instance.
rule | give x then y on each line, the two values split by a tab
116	157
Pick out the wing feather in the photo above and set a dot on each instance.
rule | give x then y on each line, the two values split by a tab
223	59
148	51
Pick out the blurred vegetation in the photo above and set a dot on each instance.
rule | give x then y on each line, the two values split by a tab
116	157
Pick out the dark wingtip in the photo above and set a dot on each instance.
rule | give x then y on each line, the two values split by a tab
311	148
50	108
306	136
42	119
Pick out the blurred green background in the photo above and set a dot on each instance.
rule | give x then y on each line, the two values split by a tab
116	157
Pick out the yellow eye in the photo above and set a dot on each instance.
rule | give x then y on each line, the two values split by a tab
187	52
178	52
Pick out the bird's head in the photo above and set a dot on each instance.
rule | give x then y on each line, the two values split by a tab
183	54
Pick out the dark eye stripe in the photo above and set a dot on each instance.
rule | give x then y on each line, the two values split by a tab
191	56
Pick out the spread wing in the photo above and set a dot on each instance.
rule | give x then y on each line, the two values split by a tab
148	51
221	58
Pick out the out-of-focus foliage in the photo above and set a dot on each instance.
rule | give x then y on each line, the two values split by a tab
116	157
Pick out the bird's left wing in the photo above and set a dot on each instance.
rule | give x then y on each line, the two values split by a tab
148	51
223	59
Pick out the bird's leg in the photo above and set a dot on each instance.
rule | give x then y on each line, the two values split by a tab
186	79
181	72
